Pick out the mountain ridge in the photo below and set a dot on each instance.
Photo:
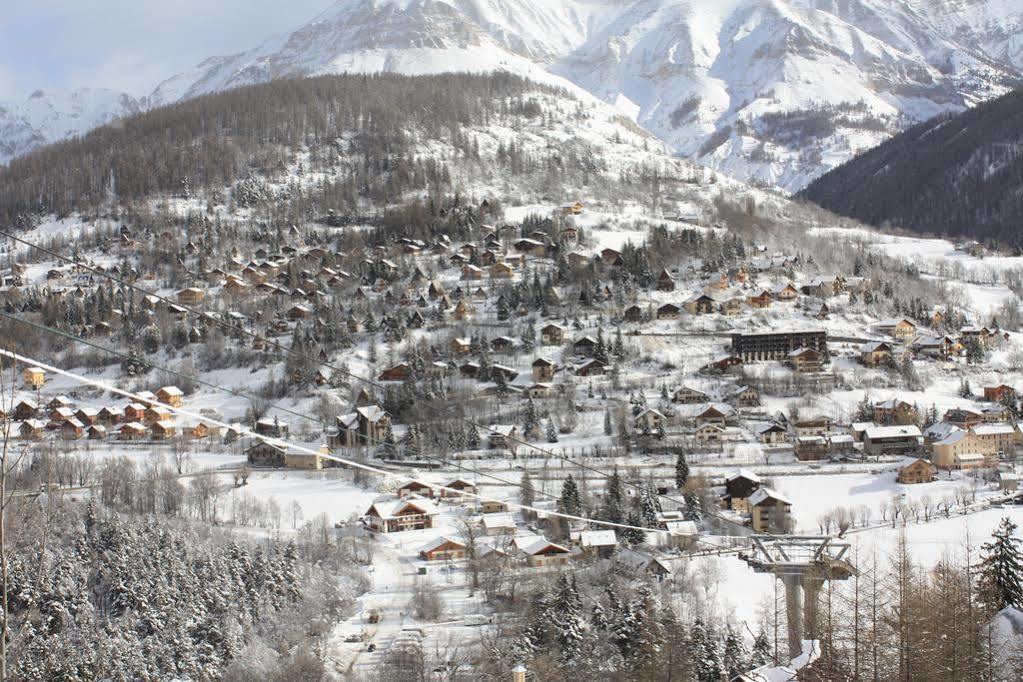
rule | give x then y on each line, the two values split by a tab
772	93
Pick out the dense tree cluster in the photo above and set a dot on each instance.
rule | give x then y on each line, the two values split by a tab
103	596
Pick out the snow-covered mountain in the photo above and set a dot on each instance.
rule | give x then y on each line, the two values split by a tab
48	117
776	91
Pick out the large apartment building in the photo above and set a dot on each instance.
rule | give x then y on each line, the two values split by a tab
766	346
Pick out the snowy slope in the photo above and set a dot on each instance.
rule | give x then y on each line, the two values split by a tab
777	91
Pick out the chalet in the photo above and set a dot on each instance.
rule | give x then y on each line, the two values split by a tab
543	370
272	428
502	345
886	440
709	433
572	208
738	488
770	511
464	309
805	360
895	411
591	368
596	543
25	409
493	505
417	488
373	424
87	415
162	430
170	395
665	282
399	372
498	524
502	270
810	448
190	296
999	393
637	563
457	487
96	432
876	353
899	328
34	377
32	429
731	305
531	247
610	257
569	235
471	272
61	414
668	311
461	345
199	430
443	549
132	430
391	514
772	434
585	346
761	300
543	552
502	437
507	373
299	312
745	396
634	313
963	417
812	426
59	401
158	413
72	429
785	292
648	421
700	304
917	471
714	413
689	396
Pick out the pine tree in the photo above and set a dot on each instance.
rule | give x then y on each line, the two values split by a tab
634	536
1000	582
681	470
531	422
608	428
614	499
527	493
570	502
552	431
736	658
707	660
567	619
650	506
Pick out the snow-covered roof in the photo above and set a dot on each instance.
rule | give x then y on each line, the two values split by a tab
762	494
994	429
597	538
439	542
744	473
388	507
910	430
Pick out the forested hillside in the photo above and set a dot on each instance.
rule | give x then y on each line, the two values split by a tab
212	141
957	176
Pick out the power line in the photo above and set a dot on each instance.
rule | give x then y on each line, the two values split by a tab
316	361
218	387
306	450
